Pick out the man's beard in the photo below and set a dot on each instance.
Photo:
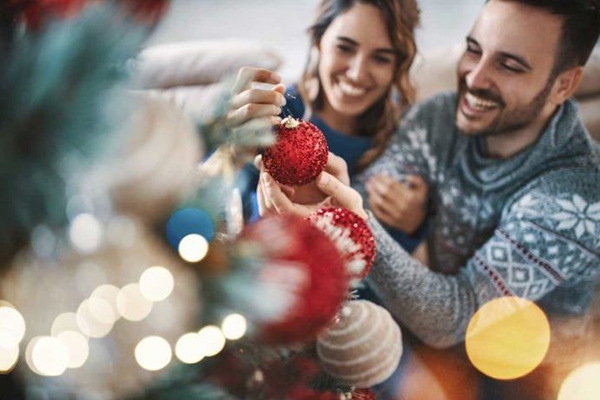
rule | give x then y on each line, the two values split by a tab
506	121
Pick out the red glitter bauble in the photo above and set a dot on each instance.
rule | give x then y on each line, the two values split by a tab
352	236
309	265
299	155
363	394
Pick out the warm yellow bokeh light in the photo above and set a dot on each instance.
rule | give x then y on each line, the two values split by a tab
12	322
189	348
582	384
153	353
49	356
508	338
212	339
77	346
156	283
70	322
95	327
193	248
234	326
9	351
131	304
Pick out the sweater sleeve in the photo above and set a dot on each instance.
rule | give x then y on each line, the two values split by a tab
540	244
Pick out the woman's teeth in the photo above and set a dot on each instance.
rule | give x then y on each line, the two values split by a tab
480	104
351	90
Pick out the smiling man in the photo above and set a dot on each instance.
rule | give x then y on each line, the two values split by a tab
515	184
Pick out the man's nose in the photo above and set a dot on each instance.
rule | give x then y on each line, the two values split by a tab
479	76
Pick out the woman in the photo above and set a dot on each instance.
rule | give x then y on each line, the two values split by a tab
354	88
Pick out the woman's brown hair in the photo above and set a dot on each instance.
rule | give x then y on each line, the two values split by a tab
381	120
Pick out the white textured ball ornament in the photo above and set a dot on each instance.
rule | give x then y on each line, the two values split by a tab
363	346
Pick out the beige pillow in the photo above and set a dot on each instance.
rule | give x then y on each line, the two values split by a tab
200	62
434	71
590	83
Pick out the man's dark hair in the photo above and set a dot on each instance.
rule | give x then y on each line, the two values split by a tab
580	30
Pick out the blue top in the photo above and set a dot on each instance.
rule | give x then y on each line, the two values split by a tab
348	147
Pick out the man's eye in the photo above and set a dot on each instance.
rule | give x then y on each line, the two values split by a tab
473	50
511	68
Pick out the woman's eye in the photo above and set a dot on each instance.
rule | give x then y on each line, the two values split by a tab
344	48
382	60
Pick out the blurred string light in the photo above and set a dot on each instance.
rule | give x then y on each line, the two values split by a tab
9	351
77	347
156	283
85	233
213	340
12	324
108	295
582	384
193	248
188	221
70	322
507	338
131	304
153	353
234	326
48	356
97	328
189	349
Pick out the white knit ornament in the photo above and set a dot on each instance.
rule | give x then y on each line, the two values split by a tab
363	347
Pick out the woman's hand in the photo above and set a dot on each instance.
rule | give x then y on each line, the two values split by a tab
398	205
259	107
330	189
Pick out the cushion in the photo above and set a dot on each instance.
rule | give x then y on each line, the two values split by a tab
200	62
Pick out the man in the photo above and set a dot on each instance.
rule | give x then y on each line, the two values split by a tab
515	188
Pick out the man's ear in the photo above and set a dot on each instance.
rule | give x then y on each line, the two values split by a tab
566	84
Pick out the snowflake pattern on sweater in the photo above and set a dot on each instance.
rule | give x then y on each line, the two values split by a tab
526	226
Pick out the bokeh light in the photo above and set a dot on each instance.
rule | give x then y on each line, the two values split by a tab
69	322
49	356
102	311
213	340
193	248
13	324
9	351
507	338
156	283
234	326
582	384
95	327
189	348
131	304
153	353
77	346
108	293
188	221
85	233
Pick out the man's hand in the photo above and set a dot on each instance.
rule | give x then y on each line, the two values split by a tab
330	189
398	205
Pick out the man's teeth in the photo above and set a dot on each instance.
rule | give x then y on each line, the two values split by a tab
480	104
351	90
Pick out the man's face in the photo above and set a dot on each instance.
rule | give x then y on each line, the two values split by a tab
505	73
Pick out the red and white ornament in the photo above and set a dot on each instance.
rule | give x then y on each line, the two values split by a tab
299	155
352	236
300	258
363	346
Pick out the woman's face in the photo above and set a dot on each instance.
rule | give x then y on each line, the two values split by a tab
357	61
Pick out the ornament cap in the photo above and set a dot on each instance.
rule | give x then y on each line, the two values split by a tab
290	122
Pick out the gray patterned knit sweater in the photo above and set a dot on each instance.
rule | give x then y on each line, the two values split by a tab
526	226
